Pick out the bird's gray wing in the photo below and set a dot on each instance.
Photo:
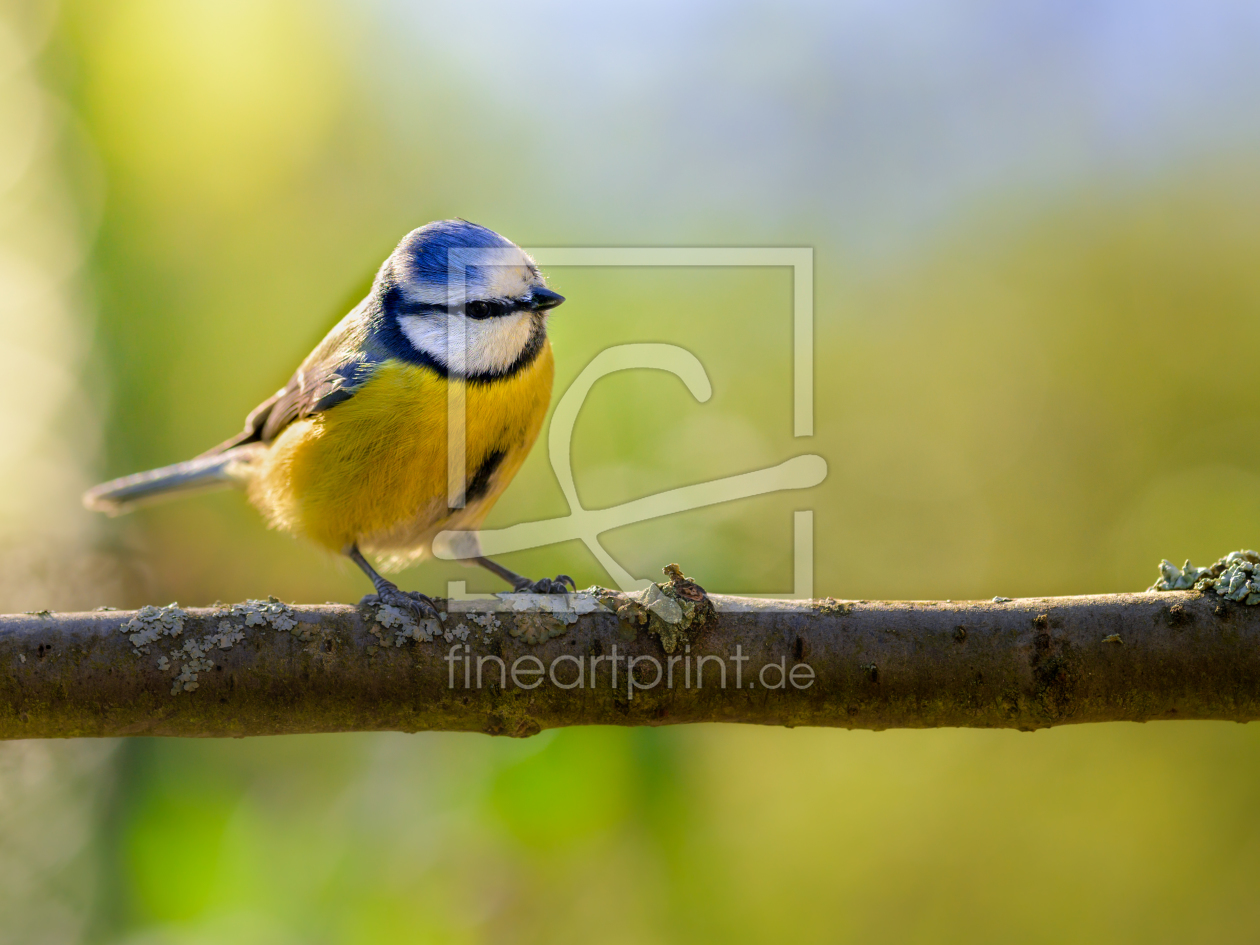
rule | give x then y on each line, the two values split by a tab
330	375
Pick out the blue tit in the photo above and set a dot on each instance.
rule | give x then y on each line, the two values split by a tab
352	452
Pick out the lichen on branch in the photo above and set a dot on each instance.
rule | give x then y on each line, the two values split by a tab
516	664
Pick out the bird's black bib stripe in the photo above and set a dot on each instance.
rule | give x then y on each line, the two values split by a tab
479	484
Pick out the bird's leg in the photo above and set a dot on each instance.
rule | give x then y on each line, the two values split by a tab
521	584
387	592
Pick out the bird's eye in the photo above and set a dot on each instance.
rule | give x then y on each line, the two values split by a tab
477	309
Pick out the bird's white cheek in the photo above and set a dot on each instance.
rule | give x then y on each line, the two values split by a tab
495	344
427	335
488	345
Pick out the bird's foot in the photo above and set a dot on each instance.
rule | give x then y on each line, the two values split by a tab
560	584
409	602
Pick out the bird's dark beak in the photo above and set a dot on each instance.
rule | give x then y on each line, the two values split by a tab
541	299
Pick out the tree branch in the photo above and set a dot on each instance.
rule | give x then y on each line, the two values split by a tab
267	668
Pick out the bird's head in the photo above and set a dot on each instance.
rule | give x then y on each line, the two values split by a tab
456	291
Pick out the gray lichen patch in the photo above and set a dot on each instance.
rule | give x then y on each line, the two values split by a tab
193	657
1238	579
193	661
1235	577
1173	578
540	627
536	618
404	627
270	612
226	636
151	623
674	610
835	608
488	623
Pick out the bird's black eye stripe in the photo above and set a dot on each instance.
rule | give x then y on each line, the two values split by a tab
486	308
477	308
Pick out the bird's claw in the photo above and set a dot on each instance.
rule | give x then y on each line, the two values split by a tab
560	584
410	602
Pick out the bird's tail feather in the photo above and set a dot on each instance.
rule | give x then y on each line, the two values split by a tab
195	475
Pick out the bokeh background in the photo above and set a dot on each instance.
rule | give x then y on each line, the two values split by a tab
1037	236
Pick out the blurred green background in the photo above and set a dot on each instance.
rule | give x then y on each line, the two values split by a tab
1037	238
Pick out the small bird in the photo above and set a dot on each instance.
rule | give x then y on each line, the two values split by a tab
352	452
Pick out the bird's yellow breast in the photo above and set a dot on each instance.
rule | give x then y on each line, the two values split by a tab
373	470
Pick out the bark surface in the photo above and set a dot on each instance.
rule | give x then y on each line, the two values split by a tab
1026	664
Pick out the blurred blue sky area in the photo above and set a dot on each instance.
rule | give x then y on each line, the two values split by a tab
867	121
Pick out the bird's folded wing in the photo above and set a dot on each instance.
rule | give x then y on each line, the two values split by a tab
330	375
